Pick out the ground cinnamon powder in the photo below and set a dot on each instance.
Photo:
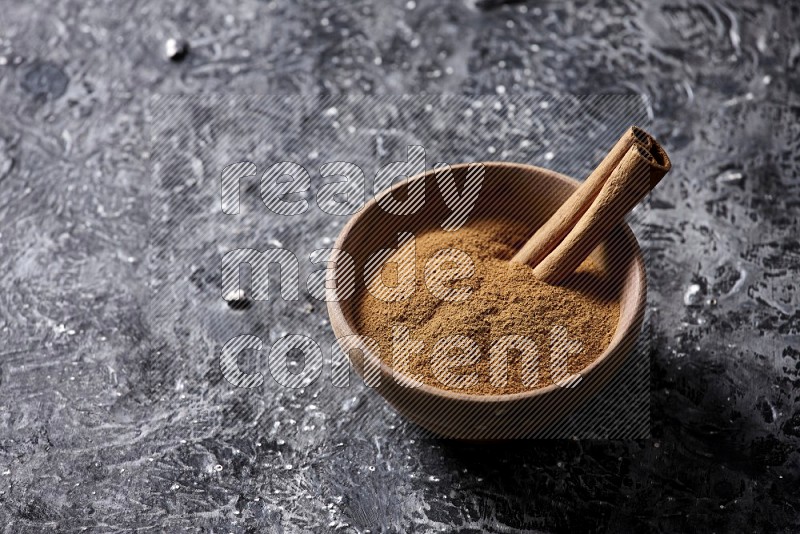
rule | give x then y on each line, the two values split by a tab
505	299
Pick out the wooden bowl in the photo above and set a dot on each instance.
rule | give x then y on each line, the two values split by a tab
517	192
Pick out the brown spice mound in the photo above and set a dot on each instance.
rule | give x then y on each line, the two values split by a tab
506	299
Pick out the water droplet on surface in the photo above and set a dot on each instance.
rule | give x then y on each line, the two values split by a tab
350	404
237	299
692	296
176	49
730	177
46	79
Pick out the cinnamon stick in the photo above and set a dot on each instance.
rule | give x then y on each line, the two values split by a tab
564	219
630	170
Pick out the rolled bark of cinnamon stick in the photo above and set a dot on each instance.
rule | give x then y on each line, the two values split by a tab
628	183
630	170
547	237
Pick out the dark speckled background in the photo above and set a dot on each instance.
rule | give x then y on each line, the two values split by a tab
87	439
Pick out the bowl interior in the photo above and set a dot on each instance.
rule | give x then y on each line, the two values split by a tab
516	192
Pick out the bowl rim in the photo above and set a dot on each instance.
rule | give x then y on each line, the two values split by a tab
338	317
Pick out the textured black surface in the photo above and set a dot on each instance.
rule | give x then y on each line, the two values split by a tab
87	436
194	137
